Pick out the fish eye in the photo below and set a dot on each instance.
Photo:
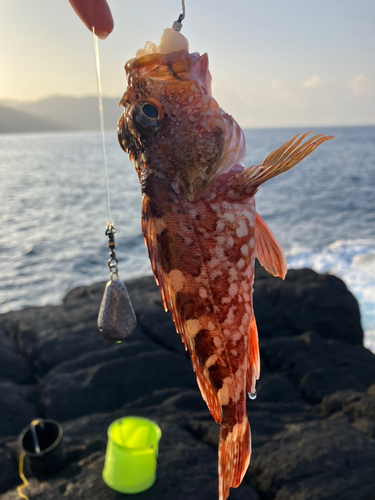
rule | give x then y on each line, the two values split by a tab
150	111
144	118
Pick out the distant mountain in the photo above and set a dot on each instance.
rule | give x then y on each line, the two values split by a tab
69	113
79	113
14	120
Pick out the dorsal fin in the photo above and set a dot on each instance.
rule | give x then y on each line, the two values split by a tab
268	250
246	183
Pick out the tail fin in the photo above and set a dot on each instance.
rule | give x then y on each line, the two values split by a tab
234	455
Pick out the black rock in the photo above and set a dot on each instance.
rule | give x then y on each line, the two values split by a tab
317	366
313	422
357	408
316	459
19	406
306	301
109	385
13	365
9	477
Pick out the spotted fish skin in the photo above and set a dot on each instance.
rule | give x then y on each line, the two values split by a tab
202	231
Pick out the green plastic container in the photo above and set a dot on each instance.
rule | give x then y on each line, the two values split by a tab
131	456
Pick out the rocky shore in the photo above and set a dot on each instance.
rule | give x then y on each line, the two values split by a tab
313	422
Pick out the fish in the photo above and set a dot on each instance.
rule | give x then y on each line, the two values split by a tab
202	231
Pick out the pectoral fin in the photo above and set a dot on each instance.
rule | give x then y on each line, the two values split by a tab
268	250
279	161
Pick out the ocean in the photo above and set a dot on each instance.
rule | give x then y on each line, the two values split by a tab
53	212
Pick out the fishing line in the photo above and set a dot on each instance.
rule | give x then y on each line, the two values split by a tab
183	10
101	116
177	25
116	319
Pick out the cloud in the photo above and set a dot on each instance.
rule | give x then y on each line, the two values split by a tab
313	83
279	91
257	101
361	85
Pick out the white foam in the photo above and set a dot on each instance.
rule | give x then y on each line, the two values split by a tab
354	262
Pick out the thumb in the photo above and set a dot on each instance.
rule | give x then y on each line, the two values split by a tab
94	14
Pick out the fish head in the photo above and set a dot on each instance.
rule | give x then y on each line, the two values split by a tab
172	124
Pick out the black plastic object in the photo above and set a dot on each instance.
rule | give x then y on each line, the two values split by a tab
42	443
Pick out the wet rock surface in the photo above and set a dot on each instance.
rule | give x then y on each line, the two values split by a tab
313	422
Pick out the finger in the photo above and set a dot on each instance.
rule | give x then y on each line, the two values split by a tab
94	14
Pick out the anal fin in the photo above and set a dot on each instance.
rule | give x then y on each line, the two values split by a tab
253	358
268	249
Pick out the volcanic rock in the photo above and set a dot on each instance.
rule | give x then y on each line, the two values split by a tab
313	422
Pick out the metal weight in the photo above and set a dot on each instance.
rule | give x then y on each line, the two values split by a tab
116	319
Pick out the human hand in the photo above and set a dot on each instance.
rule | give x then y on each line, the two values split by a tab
94	14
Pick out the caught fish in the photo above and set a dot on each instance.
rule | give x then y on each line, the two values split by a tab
201	228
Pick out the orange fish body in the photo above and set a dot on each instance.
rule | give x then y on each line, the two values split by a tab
202	232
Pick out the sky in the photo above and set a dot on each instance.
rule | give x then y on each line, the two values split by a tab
274	63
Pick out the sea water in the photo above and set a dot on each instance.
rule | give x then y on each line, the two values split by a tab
53	212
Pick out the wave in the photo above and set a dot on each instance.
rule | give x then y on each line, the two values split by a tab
354	262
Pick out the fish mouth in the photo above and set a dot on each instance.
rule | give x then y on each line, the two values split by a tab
129	143
121	137
126	140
